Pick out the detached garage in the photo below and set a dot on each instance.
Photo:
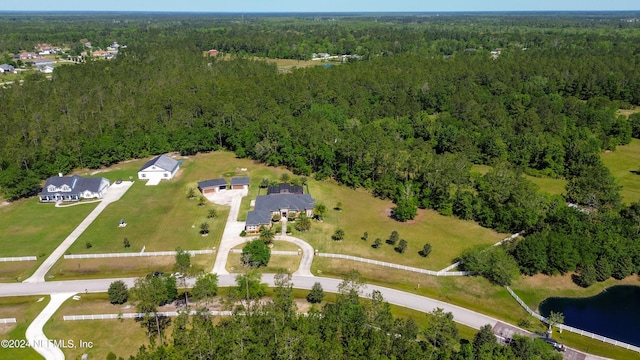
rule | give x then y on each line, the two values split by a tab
240	183
212	186
159	168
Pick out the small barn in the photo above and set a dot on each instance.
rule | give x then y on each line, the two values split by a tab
212	186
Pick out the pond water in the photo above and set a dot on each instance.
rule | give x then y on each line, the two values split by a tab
614	313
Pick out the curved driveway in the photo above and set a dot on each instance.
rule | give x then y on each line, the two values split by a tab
34	334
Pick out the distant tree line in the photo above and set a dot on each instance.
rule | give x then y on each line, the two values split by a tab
407	124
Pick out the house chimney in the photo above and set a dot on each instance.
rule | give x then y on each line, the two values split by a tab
60	174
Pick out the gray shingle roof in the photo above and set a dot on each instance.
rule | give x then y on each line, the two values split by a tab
265	204
256	218
6	67
297	202
212	183
163	162
284	189
78	184
240	181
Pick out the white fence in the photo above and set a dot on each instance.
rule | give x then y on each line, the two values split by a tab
8	321
18	258
136	315
273	252
571	328
396	266
137	254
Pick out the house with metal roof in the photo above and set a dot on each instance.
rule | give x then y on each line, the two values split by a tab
283	204
73	188
159	168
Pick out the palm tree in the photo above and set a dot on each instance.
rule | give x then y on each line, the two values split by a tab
212	213
554	319
204	228
319	210
266	235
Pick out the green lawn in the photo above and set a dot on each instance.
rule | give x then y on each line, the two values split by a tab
74	269
624	164
24	310
362	212
158	218
30	228
546	184
123	337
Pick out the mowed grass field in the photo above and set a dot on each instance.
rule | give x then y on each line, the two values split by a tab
158	218
29	228
276	262
24	310
548	185
361	212
122	337
624	164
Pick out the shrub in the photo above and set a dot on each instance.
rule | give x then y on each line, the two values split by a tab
338	235
316	294
118	292
426	250
243	233
402	246
393	238
88	245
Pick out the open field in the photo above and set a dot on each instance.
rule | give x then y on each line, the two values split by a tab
362	212
24	310
74	269
158	218
546	184
627	112
29	228
624	164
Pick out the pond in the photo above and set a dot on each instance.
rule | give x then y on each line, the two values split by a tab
614	313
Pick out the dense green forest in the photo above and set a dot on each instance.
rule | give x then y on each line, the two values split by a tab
425	101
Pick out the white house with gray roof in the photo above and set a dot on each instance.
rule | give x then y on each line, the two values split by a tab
73	188
283	204
6	68
159	168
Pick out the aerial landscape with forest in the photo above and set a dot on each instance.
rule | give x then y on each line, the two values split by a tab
319	185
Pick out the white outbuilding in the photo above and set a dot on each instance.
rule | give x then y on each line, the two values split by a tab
159	168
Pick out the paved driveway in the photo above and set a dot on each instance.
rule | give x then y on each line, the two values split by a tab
114	193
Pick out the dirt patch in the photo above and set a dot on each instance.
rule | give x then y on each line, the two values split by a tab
5	328
4	203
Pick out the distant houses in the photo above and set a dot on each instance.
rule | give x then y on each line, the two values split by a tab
73	188
6	69
159	168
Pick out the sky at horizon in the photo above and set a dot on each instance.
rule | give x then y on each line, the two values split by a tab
251	6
